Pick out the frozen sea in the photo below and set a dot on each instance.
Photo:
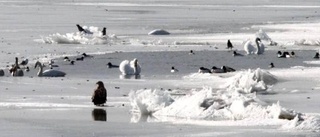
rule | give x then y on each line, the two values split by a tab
249	102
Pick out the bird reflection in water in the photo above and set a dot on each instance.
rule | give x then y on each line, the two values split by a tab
99	114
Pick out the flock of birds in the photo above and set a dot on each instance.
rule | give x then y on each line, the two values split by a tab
126	67
250	48
17	69
132	67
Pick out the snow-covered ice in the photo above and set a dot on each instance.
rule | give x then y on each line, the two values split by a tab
255	100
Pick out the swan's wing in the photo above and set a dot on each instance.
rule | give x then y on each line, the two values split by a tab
53	73
248	47
261	47
125	68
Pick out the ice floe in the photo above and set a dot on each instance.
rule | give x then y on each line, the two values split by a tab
93	38
236	101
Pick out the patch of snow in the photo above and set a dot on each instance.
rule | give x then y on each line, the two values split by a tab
158	32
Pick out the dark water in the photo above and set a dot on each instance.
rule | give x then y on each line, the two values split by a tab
158	64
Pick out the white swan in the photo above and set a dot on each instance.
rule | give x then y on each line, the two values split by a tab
130	67
251	49
49	72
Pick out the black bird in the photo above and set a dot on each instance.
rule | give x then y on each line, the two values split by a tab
110	65
66	59
271	65
83	30
223	69
229	45
236	54
174	70
317	56
80	59
204	70
24	62
214	69
27	69
104	32
292	54
191	52
228	69
86	55
72	62
279	54
283	55
80	28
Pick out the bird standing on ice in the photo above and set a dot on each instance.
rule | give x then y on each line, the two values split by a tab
99	96
250	49
104	31
130	67
229	45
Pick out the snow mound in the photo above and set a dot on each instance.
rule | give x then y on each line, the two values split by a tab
305	42
149	101
264	36
158	32
307	123
202	76
228	103
236	102
207	104
250	81
93	38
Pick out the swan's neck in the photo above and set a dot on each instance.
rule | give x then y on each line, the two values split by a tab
16	63
40	69
135	67
258	47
